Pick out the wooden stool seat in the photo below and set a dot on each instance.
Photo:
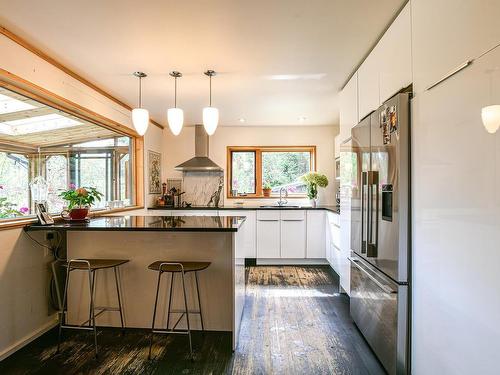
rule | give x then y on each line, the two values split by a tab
96	264
171	267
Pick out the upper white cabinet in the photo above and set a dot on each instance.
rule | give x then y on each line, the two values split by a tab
369	84
447	33
293	234
388	68
395	70
348	110
316	236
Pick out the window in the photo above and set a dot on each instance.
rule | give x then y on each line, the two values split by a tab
250	168
38	140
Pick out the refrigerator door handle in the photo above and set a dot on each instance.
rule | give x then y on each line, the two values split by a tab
364	227
373	244
387	289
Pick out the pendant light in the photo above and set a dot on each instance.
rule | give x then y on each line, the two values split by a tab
210	114
490	115
140	116
175	115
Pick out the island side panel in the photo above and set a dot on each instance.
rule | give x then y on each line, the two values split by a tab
139	283
240	246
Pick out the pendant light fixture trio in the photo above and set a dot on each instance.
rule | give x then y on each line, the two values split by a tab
175	115
140	116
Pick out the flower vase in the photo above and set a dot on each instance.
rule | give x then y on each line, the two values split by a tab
314	202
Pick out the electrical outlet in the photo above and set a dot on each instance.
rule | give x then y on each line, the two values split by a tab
49	236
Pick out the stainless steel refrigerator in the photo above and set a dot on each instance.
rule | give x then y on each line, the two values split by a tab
380	231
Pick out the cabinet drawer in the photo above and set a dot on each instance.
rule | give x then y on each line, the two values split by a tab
293	215
268	215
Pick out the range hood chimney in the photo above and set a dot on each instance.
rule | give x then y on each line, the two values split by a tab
200	162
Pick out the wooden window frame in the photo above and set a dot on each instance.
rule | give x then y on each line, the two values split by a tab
26	88
258	150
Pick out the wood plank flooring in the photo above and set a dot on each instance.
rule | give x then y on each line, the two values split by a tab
294	322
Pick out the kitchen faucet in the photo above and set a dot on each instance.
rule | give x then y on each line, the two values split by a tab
283	191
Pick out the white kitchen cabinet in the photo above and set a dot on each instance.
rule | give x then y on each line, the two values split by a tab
333	244
293	234
369	83
250	224
316	236
348	100
447	33
395	56
268	234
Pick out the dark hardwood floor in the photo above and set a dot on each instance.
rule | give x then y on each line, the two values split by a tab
295	322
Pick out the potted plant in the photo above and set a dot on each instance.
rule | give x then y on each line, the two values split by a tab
79	202
266	189
314	180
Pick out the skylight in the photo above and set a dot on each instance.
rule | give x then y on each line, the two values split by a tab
9	105
37	124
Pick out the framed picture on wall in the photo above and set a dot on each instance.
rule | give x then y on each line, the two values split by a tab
154	172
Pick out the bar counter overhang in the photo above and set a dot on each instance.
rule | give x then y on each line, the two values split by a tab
143	240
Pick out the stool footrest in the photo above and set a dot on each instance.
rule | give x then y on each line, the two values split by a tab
179	311
66	326
175	331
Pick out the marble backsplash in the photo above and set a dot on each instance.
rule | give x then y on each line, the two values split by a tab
202	188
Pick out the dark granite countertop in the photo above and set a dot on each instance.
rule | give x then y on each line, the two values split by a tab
148	223
332	208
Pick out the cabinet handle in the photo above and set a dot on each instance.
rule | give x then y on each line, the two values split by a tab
292	219
451	73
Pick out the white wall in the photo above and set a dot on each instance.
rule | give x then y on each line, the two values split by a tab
24	274
456	199
179	149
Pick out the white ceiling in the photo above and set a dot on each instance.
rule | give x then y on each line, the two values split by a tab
317	42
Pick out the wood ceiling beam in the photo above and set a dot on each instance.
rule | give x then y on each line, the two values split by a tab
23	43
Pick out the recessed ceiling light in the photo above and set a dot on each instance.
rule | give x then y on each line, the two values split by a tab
241	119
302	118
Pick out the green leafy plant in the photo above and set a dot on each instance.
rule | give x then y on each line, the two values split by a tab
314	180
7	209
266	185
82	197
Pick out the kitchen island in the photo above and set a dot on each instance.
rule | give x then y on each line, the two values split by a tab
145	239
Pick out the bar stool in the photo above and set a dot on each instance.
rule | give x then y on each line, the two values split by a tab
173	267
91	266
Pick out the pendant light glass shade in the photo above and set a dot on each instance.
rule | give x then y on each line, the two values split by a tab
175	120
140	119
491	118
175	116
140	116
210	119
210	114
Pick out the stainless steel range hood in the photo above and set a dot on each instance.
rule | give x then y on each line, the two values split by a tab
200	162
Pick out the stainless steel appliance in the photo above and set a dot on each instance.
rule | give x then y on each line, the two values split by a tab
380	235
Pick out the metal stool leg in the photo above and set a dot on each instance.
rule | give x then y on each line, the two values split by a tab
62	317
199	301
170	298
154	314
119	298
187	313
91	289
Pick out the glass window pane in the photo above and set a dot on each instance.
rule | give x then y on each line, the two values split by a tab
14	189
284	168
56	174
243	172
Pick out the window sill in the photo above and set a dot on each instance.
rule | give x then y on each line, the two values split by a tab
14	223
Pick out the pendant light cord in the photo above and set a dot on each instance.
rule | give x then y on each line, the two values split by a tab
175	92
210	91
140	92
